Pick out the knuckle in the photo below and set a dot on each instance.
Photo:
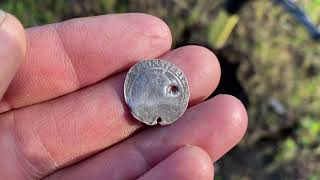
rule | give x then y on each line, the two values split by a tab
31	154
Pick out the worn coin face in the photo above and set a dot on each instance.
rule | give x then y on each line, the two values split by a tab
156	92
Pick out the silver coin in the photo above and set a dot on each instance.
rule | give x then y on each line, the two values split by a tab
156	92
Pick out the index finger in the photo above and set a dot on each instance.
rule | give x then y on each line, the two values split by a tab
64	57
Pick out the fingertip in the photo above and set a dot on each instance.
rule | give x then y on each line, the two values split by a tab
224	122
156	26
237	113
210	66
116	41
12	49
201	67
153	28
12	28
230	122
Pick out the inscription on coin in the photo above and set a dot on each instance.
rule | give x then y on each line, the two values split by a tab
156	92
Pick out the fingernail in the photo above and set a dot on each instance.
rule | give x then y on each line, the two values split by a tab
2	16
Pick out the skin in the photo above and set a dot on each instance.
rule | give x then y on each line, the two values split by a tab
63	115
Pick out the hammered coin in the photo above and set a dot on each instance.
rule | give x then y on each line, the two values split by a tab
156	92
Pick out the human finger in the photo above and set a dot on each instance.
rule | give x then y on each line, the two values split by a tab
64	57
57	133
12	49
187	163
216	126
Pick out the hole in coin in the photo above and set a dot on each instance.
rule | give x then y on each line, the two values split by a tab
159	120
173	89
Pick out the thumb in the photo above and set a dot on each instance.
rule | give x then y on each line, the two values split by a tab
12	49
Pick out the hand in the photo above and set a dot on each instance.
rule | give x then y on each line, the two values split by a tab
64	117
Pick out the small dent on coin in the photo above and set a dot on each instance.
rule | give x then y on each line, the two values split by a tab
173	89
159	120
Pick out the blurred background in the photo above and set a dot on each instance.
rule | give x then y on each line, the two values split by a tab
270	59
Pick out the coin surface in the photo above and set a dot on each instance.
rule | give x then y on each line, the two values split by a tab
156	92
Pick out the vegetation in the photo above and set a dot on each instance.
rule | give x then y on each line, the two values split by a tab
278	66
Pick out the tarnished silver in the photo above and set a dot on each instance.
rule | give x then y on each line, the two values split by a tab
156	92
